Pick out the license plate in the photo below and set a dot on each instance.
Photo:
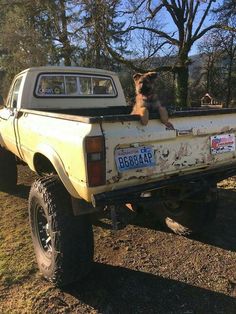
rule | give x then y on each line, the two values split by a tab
134	158
223	143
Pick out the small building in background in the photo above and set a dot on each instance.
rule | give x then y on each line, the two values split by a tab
208	101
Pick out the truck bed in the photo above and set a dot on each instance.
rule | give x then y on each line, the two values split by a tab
190	149
122	113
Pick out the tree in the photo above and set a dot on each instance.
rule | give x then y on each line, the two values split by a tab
187	16
227	43
227	9
99	16
59	23
21	44
209	76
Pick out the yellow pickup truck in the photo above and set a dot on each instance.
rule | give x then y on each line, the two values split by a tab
73	127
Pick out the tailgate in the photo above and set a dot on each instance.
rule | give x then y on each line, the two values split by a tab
136	154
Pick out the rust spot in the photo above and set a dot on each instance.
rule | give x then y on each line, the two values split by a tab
142	177
150	171
209	158
177	165
165	153
225	129
163	164
132	177
115	179
141	128
185	150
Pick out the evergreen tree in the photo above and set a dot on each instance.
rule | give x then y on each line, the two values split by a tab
58	21
99	20
21	44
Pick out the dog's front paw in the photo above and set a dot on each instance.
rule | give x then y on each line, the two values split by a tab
144	117
169	125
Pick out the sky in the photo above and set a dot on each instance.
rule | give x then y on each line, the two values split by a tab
208	21
170	27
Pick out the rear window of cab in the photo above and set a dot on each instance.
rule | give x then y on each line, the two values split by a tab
74	85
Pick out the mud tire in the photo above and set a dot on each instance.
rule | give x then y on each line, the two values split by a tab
69	256
8	171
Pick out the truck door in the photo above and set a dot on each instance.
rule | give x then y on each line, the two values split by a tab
8	127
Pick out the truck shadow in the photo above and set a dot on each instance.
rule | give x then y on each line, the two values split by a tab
112	289
221	233
22	191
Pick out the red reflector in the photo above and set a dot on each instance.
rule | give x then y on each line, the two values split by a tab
95	149
94	144
96	173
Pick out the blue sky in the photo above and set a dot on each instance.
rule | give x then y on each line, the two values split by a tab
208	21
165	19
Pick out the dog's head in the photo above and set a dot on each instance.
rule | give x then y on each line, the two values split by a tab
145	83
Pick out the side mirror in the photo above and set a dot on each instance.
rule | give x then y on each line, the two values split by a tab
1	102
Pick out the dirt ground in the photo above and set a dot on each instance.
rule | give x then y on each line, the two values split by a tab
138	269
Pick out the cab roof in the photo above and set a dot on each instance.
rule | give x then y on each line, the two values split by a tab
68	69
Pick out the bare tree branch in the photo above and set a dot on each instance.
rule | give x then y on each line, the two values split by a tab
203	32
131	64
155	51
192	14
203	17
170	39
154	12
171	12
134	10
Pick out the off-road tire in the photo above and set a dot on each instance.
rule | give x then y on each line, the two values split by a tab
192	216
8	170
68	254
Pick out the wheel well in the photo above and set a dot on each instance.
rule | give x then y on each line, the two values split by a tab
43	165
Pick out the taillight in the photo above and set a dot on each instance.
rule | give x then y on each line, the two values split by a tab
95	149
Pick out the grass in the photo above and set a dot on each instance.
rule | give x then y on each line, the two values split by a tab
16	251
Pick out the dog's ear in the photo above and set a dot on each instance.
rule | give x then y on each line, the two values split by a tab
152	75
137	76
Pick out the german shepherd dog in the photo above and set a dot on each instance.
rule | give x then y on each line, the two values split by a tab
147	99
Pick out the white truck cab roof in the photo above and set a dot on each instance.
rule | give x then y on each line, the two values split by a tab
63	87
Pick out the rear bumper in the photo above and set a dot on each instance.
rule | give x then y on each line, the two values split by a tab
133	193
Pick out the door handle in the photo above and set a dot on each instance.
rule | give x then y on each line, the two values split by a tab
184	132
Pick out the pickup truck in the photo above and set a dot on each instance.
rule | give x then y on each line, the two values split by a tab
72	126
